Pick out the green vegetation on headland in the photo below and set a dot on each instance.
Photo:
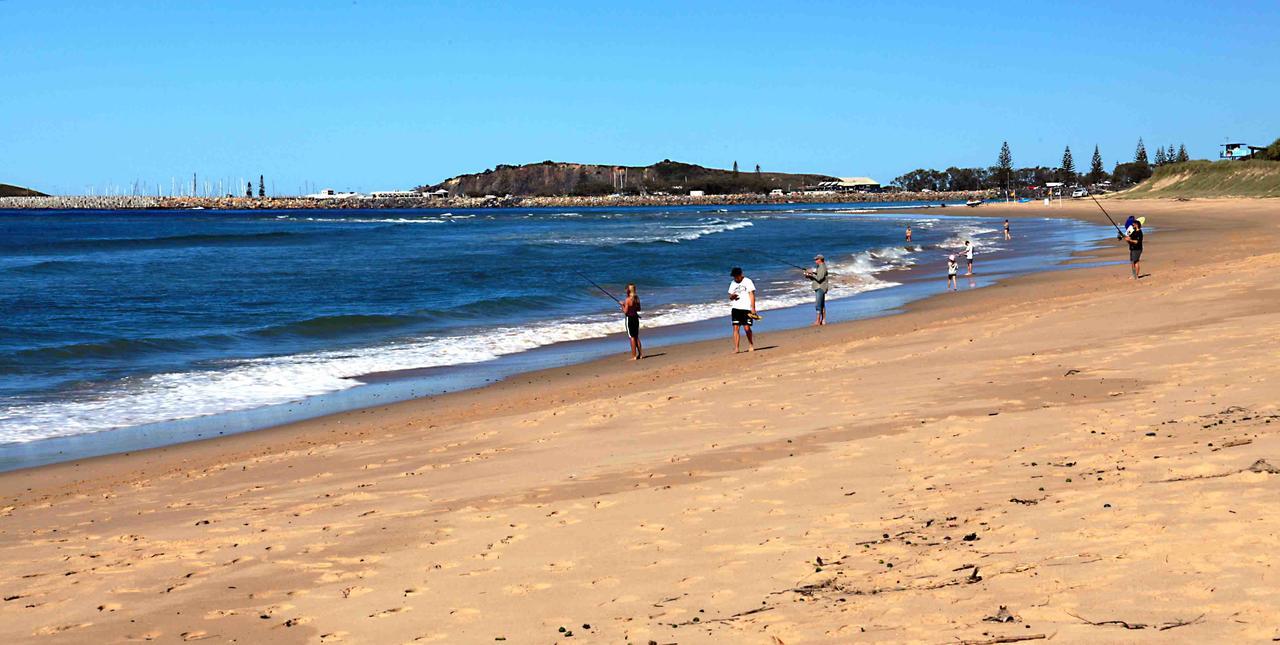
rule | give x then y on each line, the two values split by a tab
550	179
8	190
1251	178
1030	181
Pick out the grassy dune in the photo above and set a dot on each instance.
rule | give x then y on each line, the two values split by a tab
1253	178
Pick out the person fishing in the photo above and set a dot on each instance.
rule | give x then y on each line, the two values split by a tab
968	257
742	308
1134	237
631	310
818	274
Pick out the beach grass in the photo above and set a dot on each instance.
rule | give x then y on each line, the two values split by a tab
1253	178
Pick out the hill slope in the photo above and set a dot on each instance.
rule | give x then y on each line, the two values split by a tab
551	178
7	190
1255	178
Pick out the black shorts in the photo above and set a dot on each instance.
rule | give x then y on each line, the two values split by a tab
1135	255
741	317
633	326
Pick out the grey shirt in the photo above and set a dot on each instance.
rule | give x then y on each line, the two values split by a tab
819	277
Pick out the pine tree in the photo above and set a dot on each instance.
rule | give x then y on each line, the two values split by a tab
262	187
1096	172
1171	155
735	169
1004	165
248	189
1182	153
1140	156
1160	158
1068	166
757	169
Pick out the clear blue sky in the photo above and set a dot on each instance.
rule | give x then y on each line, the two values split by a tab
376	94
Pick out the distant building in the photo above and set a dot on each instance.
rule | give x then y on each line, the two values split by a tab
852	185
1238	151
441	193
698	193
330	193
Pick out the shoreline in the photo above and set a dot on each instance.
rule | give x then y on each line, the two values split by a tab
1036	445
382	388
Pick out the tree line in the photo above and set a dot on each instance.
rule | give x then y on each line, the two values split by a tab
1004	176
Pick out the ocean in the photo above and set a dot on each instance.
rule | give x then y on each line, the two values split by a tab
149	319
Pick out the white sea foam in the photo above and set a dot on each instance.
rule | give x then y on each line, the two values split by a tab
245	384
671	233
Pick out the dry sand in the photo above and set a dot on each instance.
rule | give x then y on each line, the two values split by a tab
1072	445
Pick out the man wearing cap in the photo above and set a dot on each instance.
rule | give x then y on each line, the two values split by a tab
742	303
1134	237
818	274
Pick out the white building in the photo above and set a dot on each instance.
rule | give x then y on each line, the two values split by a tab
330	193
852	184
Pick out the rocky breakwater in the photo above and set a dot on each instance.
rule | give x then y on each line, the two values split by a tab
305	203
77	202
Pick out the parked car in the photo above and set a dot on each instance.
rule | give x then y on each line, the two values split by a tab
1079	193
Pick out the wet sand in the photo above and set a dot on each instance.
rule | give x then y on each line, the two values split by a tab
1072	445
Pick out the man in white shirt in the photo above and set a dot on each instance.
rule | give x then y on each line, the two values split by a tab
968	257
742	303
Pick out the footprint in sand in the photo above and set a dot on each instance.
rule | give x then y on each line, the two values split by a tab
58	629
388	612
431	638
352	592
465	614
525	589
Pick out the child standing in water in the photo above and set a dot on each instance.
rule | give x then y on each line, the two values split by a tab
631	309
952	267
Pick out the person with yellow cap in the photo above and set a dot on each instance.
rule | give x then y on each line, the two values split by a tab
1133	235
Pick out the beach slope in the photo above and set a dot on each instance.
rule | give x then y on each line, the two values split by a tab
1097	456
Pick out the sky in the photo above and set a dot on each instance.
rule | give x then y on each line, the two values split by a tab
379	95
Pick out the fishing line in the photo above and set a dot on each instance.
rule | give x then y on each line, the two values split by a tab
602	289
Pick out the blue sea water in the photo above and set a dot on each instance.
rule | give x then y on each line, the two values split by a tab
123	319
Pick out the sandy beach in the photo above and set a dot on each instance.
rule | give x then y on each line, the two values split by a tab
1097	456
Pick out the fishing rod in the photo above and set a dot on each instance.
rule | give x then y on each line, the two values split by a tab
593	283
775	259
1104	212
762	253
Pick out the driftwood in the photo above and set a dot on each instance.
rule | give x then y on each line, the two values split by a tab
1006	639
1128	625
742	614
